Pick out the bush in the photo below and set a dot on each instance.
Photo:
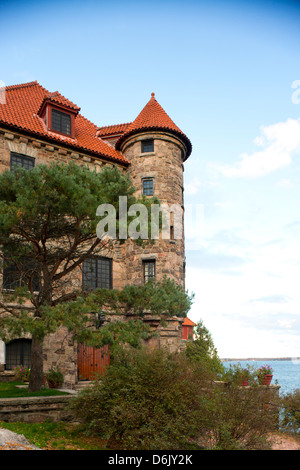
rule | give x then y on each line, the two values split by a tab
241	418
291	411
148	400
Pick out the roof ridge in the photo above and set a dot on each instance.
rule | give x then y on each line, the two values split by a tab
112	125
22	85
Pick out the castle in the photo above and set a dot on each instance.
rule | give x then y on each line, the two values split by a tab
37	127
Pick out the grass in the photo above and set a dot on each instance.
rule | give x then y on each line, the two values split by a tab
56	436
11	390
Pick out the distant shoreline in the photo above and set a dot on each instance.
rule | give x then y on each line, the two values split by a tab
261	359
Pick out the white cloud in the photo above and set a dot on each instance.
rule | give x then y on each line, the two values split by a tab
285	183
277	142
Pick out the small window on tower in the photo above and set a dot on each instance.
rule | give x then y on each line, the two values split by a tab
147	146
148	187
149	270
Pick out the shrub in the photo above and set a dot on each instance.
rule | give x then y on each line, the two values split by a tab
148	400
290	416
241	418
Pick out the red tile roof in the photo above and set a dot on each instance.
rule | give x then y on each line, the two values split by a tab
20	112
59	99
115	129
153	117
188	322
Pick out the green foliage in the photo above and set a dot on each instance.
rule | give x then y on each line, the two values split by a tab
162	297
202	349
241	418
290	406
147	400
235	374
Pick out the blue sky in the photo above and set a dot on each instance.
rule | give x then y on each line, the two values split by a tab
224	73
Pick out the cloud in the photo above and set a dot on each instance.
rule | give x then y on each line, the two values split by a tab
272	299
285	183
278	143
193	185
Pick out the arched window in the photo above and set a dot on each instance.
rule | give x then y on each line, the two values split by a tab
18	353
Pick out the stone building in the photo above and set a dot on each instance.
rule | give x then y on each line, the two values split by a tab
37	127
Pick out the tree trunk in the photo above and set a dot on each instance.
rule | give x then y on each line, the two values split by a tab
36	372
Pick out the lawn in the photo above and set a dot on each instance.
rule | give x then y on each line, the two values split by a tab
13	390
56	436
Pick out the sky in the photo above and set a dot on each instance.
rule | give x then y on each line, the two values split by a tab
228	74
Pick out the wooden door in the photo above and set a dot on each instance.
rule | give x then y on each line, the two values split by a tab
92	362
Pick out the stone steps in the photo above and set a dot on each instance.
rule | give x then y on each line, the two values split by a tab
82	384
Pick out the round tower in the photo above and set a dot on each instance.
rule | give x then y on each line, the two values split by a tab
156	149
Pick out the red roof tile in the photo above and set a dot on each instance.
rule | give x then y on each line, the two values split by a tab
188	322
59	99
20	111
153	117
115	129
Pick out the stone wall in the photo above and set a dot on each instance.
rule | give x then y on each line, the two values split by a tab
35	409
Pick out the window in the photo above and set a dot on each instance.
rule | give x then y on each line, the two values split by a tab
97	273
61	122
147	146
17	159
18	353
171	232
148	186
14	277
149	270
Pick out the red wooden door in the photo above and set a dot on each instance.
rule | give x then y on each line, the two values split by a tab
92	362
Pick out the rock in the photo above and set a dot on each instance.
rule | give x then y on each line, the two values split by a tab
11	441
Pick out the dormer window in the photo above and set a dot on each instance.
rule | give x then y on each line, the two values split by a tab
58	114
60	122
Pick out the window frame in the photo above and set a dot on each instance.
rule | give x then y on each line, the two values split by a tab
145	180
98	279
61	114
17	353
23	158
12	278
144	144
148	277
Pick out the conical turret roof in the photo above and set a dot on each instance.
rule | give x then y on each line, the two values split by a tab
152	118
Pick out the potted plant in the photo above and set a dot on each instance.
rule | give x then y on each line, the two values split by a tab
244	377
238	375
265	374
55	378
